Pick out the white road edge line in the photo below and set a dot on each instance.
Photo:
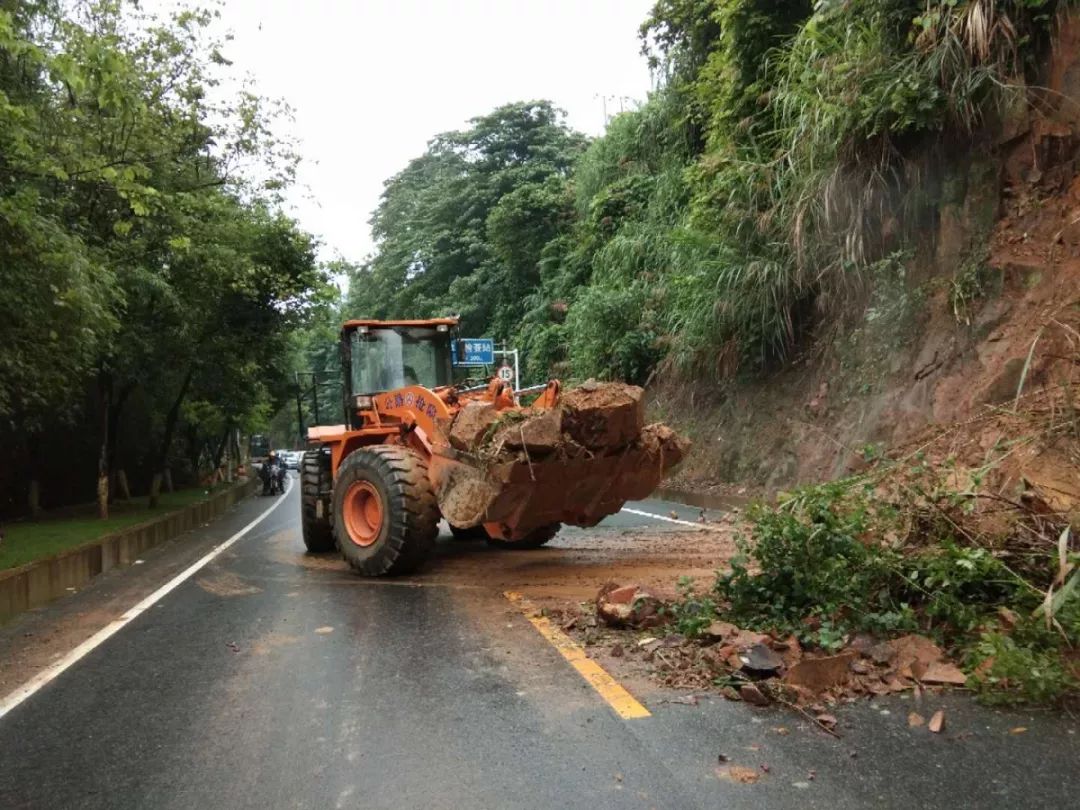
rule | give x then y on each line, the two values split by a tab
57	668
667	519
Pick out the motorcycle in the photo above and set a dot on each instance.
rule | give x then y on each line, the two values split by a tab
272	475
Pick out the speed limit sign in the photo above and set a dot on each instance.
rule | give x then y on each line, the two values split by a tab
506	373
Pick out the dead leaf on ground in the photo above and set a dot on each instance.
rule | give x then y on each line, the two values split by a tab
944	673
1018	730
820	674
937	722
915	719
738	774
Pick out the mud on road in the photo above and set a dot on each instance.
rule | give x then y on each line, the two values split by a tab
571	569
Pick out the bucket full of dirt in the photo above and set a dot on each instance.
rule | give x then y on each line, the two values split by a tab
575	463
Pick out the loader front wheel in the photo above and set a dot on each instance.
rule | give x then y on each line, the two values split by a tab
315	521
534	539
385	515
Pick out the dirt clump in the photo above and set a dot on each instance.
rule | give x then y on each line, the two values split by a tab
603	415
471	423
539	432
627	606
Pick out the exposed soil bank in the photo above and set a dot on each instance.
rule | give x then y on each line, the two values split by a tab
987	305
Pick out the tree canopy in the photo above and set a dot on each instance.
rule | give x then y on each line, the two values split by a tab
459	228
743	204
148	279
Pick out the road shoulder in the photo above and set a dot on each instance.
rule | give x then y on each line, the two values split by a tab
36	639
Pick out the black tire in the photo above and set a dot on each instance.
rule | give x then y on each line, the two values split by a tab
534	539
472	533
409	524
317	532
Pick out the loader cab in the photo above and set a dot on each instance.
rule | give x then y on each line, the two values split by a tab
385	355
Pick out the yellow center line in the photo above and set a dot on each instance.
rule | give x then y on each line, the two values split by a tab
624	704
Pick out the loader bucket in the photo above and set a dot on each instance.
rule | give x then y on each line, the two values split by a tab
513	497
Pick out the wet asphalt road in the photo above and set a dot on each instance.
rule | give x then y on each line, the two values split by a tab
261	683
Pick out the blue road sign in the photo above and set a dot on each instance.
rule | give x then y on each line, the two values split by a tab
474	352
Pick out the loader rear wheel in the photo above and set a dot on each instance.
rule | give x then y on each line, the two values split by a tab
534	539
317	532
385	515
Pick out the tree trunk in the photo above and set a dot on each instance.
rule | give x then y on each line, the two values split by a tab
228	459
155	489
33	499
194	450
105	399
33	495
168	480
220	449
122	484
116	409
171	419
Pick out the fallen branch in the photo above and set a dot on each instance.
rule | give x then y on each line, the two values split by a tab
785	702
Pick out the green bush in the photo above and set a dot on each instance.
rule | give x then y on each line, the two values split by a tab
692	612
1023	666
820	565
817	573
611	338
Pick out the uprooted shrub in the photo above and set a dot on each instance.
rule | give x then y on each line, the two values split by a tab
854	556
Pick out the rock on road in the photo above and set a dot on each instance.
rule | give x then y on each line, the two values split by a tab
270	679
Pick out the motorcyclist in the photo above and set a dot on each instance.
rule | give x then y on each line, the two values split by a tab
271	473
280	471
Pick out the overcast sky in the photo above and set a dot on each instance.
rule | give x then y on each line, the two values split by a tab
371	81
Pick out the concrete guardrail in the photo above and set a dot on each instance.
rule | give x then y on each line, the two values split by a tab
40	582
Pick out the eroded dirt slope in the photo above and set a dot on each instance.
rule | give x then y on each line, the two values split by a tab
988	308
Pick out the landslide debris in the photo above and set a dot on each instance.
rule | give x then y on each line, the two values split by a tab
593	419
584	458
633	624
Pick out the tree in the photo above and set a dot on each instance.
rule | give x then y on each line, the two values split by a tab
139	262
461	227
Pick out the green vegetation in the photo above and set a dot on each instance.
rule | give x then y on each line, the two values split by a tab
148	279
792	149
845	557
30	541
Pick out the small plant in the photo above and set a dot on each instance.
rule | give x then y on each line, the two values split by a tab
1024	666
692	612
872	451
970	283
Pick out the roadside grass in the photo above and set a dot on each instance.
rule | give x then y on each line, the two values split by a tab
34	540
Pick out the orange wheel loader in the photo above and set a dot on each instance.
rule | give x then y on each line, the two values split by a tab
418	447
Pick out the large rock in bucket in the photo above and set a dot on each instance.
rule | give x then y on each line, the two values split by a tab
603	415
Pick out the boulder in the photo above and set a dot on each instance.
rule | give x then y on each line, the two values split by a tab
753	695
600	416
664	447
760	659
627	606
914	655
539	433
470	424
